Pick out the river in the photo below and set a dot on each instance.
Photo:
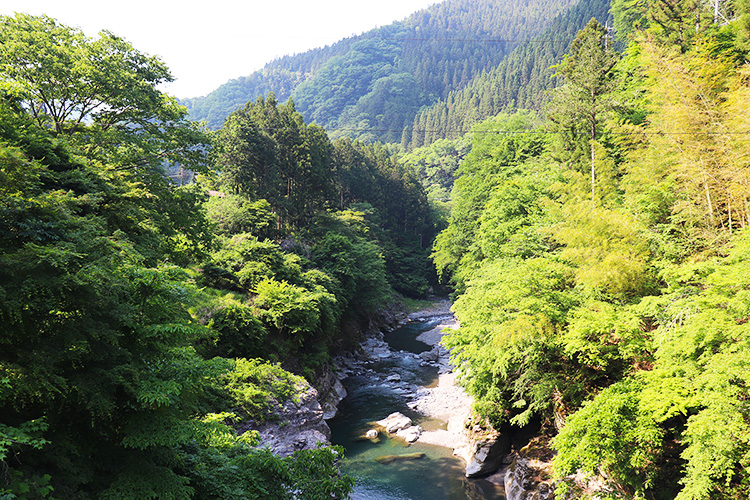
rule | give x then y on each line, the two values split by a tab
380	386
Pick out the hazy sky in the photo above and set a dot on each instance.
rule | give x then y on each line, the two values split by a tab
205	43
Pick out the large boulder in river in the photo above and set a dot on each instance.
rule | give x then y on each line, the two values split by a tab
394	422
410	434
431	355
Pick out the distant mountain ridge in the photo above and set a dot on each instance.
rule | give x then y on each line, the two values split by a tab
372	86
518	82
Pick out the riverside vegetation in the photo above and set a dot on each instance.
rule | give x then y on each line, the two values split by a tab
139	319
597	249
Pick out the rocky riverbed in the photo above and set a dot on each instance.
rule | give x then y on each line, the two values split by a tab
393	375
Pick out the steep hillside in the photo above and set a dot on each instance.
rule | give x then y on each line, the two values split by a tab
372	85
518	82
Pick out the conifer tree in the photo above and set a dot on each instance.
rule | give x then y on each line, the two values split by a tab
579	106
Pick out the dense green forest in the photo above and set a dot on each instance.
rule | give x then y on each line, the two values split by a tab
518	82
140	320
592	226
371	86
600	258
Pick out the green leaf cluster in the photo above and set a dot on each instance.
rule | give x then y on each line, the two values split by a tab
103	392
620	324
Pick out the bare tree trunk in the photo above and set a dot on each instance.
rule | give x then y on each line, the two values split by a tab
708	199
593	174
729	206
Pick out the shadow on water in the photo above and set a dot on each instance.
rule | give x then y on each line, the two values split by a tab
437	474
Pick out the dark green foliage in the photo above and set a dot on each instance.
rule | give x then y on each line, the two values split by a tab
346	254
267	151
239	472
251	260
518	82
235	332
372	86
101	388
281	76
344	79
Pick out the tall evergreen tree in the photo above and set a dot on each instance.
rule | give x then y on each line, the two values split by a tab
579	106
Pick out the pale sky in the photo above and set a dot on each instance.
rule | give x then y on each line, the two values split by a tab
207	42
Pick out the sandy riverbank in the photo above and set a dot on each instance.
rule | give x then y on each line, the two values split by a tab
447	401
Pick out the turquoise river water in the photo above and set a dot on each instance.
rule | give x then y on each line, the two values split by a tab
438	475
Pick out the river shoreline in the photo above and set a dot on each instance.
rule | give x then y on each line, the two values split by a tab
404	403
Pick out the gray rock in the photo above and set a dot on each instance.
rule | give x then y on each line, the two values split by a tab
393	378
520	483
488	455
431	355
330	393
300	425
410	434
394	422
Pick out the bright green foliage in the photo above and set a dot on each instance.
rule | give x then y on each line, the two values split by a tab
610	436
615	295
606	247
250	261
494	159
511	223
510	316
606	338
292	310
233	215
254	385
100	93
694	397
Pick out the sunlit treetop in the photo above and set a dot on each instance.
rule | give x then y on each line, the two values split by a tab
99	87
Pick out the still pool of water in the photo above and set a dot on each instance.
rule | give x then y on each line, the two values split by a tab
437	475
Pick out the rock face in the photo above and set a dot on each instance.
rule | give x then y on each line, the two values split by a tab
300	426
330	393
528	475
522	482
487	454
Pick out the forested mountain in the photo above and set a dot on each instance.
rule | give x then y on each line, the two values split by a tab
518	82
372	85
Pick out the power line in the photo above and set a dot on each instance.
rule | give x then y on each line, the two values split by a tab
512	132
